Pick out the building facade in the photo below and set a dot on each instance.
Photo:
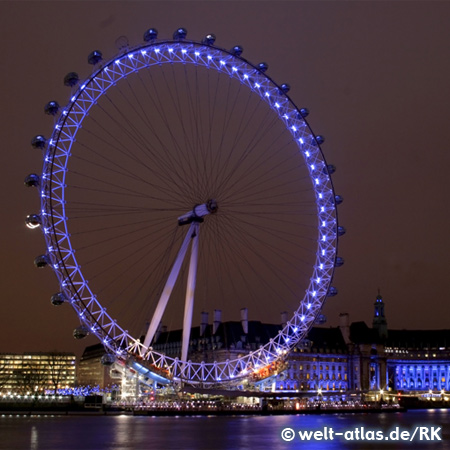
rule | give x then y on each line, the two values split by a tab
36	373
348	359
418	360
91	371
370	360
320	362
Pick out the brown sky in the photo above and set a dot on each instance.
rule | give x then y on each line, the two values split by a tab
375	76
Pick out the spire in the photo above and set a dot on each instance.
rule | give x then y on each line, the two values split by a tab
379	322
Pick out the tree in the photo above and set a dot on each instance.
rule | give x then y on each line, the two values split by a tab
56	369
5	375
29	379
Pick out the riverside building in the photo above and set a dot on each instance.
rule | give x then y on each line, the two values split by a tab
351	359
36	373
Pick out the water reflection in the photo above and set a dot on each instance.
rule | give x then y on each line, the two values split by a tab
201	433
34	442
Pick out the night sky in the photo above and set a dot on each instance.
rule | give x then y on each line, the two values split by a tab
375	76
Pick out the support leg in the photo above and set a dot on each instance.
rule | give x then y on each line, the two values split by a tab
189	303
160	308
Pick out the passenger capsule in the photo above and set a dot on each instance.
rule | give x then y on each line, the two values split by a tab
320	319
339	262
304	112
179	34
150	35
318	140
80	332
41	261
237	50
341	231
209	39
332	291
58	299
95	57
329	169
338	199
33	221
285	88
38	141
32	180
262	67
108	359
51	108
71	79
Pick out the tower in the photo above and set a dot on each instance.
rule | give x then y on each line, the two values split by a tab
379	322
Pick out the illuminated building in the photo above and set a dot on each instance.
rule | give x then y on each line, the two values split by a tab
348	359
91	372
218	341
418	360
31	373
320	362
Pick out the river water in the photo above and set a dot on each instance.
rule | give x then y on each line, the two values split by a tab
85	432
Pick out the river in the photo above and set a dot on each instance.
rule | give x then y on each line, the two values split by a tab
359	431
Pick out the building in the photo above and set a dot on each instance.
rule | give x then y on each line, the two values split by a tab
321	361
91	372
218	341
348	359
378	359
406	361
418	360
32	373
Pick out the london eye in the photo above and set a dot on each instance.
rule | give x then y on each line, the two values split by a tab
181	178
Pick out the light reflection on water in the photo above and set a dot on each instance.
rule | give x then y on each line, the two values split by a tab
238	432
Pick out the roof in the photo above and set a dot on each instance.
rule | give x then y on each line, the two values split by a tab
360	333
229	333
322	339
418	339
93	351
326	338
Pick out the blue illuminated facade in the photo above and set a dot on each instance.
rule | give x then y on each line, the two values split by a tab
419	375
320	362
418	360
359	359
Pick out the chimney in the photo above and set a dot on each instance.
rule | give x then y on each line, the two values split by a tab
284	318
204	323
217	319
158	332
344	326
244	320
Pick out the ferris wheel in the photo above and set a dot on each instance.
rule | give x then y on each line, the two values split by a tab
180	178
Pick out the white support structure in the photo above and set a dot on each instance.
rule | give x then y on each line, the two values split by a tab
168	288
189	303
193	219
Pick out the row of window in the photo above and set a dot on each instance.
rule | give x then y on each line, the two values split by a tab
418	384
312	386
326	367
403	369
35	371
37	358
